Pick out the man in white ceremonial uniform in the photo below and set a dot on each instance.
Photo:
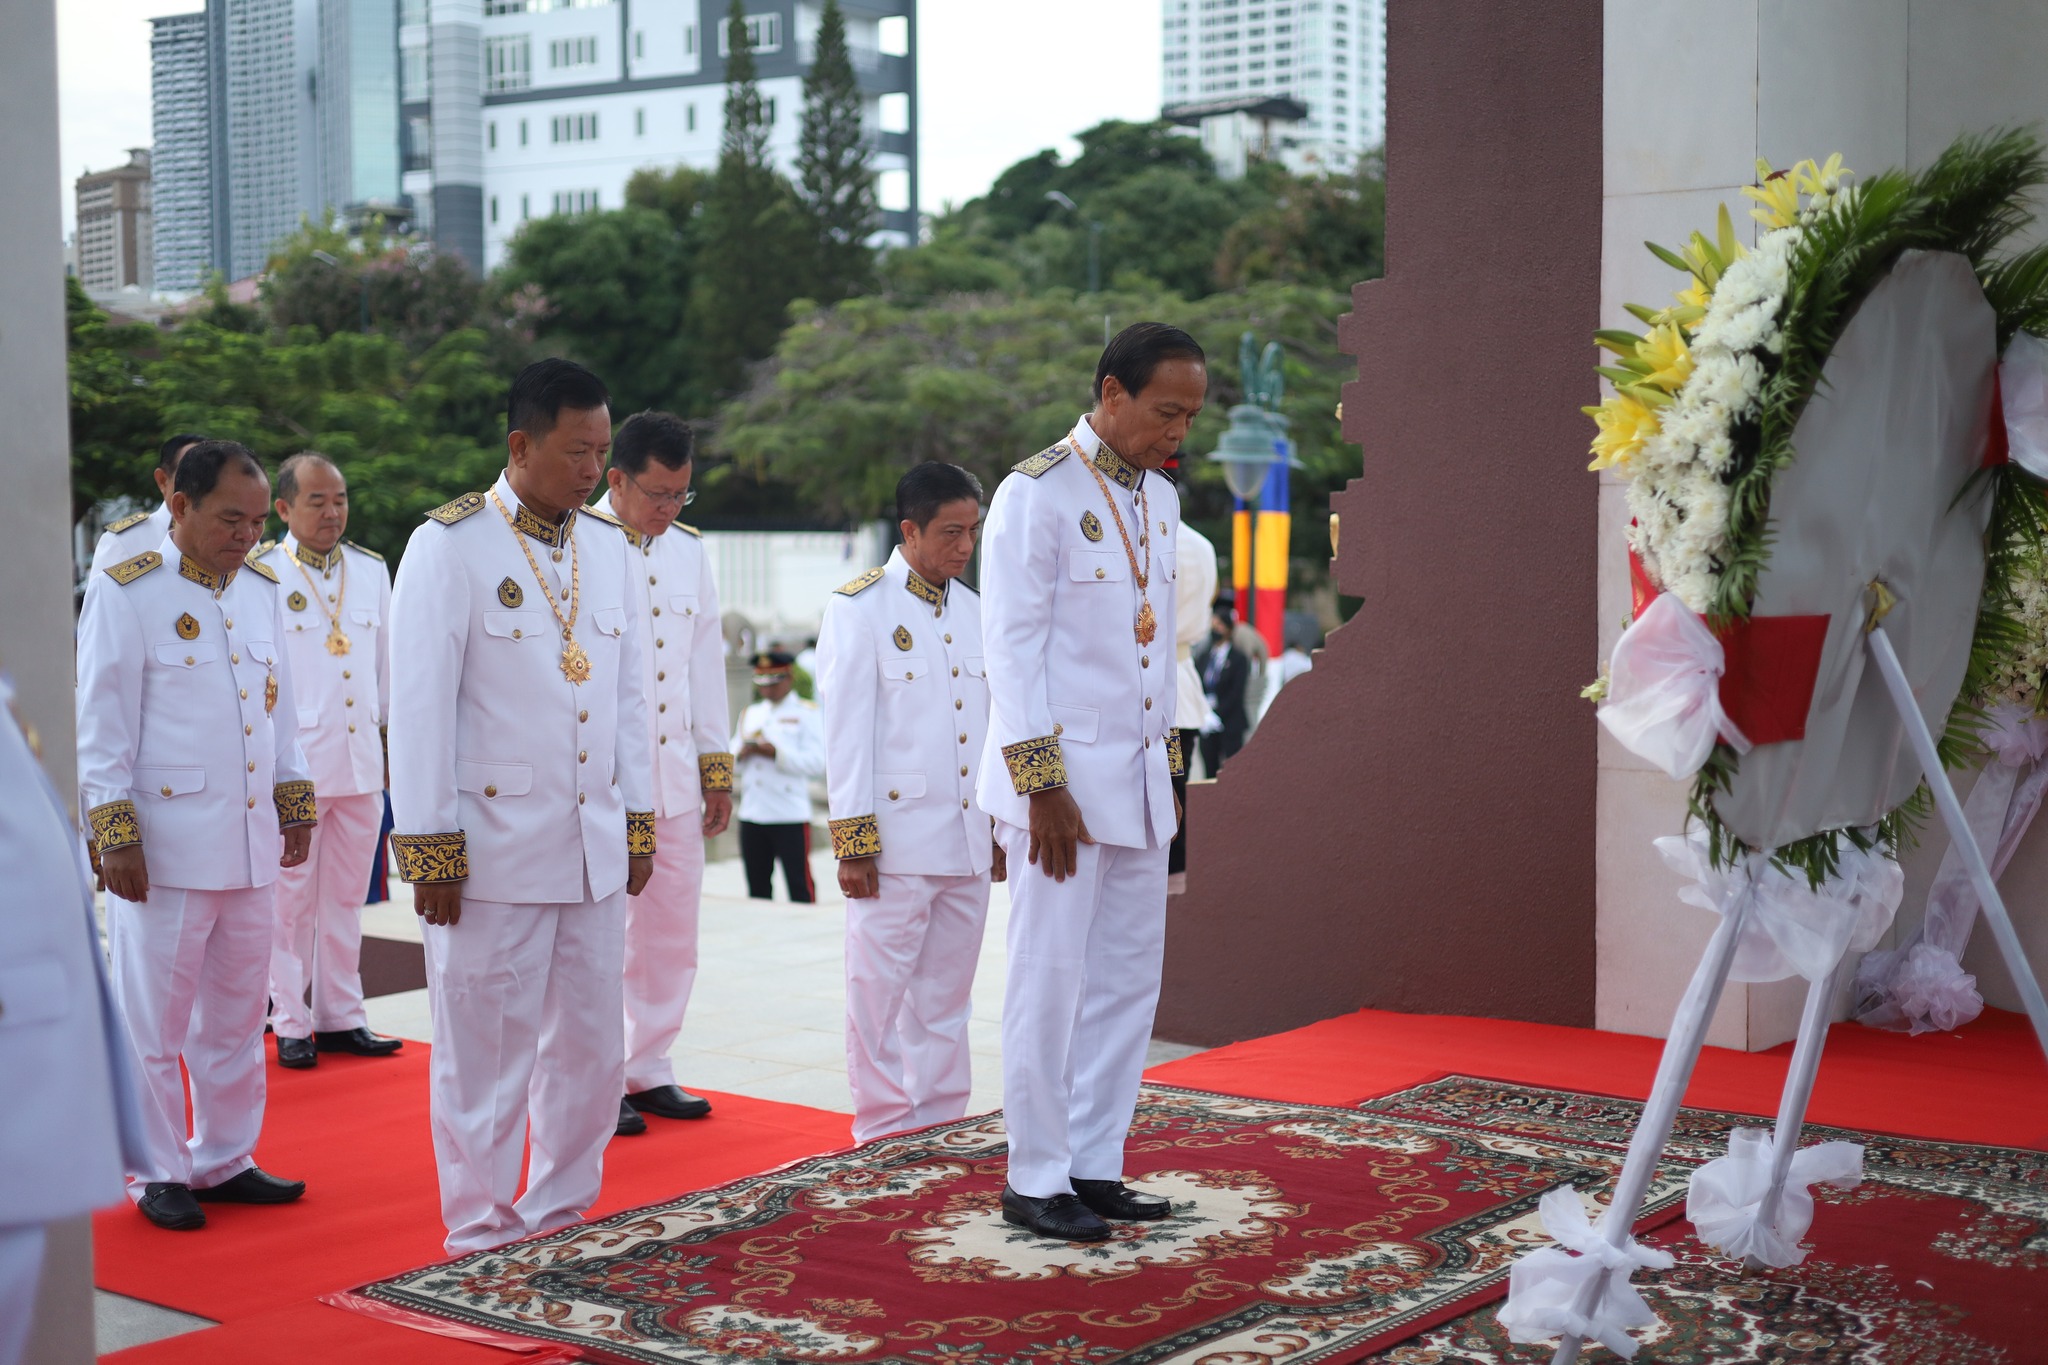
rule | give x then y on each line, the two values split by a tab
901	671
523	811
72	1125
1078	570
142	531
777	749
191	776
674	601
337	599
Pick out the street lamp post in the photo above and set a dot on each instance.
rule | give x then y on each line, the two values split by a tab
1256	455
1094	239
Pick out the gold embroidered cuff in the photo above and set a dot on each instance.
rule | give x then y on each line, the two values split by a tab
639	834
432	857
1176	761
114	826
295	804
714	772
1036	765
857	837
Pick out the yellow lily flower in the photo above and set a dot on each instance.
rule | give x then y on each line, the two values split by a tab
1822	179
1625	423
1698	296
1670	361
1778	192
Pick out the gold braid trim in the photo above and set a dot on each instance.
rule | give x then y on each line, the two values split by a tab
1176	761
1036	765
432	857
295	804
714	772
114	826
859	836
639	834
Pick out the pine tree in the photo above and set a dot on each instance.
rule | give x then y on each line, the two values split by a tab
834	162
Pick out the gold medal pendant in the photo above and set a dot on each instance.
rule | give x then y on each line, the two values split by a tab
575	663
337	643
1148	624
270	694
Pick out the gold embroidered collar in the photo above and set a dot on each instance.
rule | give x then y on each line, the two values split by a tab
527	524
214	583
923	591
313	559
1116	466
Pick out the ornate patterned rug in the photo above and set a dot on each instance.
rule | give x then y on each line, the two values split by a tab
1301	1233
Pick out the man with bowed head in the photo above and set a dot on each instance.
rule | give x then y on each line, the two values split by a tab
196	791
1078	576
524	812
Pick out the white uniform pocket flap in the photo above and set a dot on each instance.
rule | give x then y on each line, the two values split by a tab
974	666
514	625
1168	565
904	667
898	787
187	654
493	779
309	717
683	604
33	992
609	620
364	616
165	783
259	652
1077	723
1097	566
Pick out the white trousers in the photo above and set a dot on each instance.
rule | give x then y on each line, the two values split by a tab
527	1052
21	1274
910	957
319	935
1085	958
661	951
189	972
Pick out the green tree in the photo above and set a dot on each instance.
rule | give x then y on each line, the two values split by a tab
115	421
324	278
1326	230
835	166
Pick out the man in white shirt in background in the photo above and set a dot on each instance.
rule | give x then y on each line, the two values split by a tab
674	601
906	715
143	531
778	748
337	597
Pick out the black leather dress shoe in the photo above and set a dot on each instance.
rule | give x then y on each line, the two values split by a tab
1114	1199
171	1206
669	1102
1063	1217
360	1041
253	1186
630	1122
296	1053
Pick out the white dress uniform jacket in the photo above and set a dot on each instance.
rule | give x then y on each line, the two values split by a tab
901	668
1194	590
499	764
777	791
130	536
1085	706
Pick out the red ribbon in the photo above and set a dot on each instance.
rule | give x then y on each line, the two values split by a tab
1997	447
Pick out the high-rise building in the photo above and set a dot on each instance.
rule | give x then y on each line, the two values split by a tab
357	96
273	164
1331	55
113	244
181	164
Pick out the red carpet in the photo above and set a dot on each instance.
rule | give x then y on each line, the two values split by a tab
356	1130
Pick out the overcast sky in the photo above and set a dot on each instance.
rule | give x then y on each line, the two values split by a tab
999	81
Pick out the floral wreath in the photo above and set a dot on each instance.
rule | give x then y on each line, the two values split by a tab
1703	408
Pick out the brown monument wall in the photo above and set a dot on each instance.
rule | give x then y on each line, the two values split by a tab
1412	827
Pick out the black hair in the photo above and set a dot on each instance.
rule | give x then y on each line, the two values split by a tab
661	436
1134	354
199	472
167	453
288	472
928	487
544	388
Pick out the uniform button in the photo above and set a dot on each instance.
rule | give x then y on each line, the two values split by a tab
351	729
659	643
1100	574
910	677
1144	661
245	694
963	739
247	730
234	658
583	755
661	677
949	639
937	612
689	611
579	798
349	702
963	803
657	611
963	772
252	803
189	661
166	790
491	790
662	707
582	715
252	767
1148	703
1058	728
664	739
556	556
650	580
958	704
518	634
956	672
1148	743
892	796
345	673
229	623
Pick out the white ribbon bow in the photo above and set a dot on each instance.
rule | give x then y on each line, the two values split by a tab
1546	1288
1725	1200
1664	689
1793	929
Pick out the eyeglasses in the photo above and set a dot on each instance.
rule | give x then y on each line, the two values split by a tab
672	501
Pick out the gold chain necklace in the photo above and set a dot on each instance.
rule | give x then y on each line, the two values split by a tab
337	641
575	663
1147	628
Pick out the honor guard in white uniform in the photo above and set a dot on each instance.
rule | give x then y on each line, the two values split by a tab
524	812
901	671
1078	569
674	601
777	749
71	1125
337	599
191	775
132	535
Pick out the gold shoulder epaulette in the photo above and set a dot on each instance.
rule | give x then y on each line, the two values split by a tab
448	513
262	548
262	570
861	584
128	570
691	529
603	516
131	520
1042	461
364	550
